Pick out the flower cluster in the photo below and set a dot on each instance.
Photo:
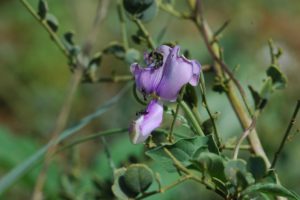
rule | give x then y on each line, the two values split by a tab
164	76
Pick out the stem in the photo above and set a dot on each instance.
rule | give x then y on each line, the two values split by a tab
115	79
111	163
170	9
182	168
44	24
170	135
141	26
242	115
192	118
166	188
91	137
123	24
287	132
58	127
203	91
243	137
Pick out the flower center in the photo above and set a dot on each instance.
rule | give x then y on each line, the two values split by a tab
156	59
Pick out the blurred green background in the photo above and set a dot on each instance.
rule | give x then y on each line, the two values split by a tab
34	77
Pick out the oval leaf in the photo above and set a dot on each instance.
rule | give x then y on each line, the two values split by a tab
138	178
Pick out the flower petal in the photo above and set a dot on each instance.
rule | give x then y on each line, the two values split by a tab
178	71
146	79
141	129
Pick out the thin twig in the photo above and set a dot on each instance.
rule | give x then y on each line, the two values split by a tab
91	137
183	169
285	137
166	188
101	13
170	135
142	28
66	107
203	91
121	14
44	24
58	127
192	118
243	137
112	165
203	29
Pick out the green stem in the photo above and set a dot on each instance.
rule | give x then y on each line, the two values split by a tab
170	135
192	118
53	35
91	137
141	26
123	24
203	91
115	79
166	188
170	9
181	167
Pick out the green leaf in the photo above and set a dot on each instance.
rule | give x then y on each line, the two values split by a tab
259	102
117	186
257	166
132	55
279	80
266	89
116	49
42	9
207	126
138	178
271	177
270	188
236	173
190	96
16	173
211	164
52	22
68	36
183	150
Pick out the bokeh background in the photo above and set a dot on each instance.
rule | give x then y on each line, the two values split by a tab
34	76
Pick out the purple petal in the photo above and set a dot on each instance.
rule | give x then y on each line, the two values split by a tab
146	79
141	129
178	71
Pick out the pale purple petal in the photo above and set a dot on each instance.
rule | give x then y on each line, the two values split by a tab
178	71
141	129
146	79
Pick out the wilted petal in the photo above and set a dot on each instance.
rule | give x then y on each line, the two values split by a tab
146	123
178	71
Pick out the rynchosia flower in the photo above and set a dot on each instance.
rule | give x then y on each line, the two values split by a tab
163	77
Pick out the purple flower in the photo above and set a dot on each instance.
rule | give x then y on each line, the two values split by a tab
166	73
164	76
149	120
